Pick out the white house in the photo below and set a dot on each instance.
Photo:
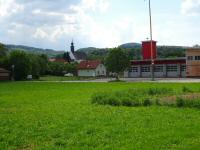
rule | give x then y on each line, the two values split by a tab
91	69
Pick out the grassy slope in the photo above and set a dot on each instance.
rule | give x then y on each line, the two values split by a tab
60	116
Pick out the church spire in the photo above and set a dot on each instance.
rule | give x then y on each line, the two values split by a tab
72	47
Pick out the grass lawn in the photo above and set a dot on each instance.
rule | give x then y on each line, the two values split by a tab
62	78
60	116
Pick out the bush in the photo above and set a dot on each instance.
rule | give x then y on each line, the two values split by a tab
157	102
180	102
143	97
127	101
147	102
131	98
193	103
22	64
159	91
186	90
99	98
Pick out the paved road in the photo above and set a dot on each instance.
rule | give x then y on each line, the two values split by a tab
162	80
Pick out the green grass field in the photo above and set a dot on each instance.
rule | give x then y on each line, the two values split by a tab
57	116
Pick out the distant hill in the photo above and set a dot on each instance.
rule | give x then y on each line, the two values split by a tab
134	51
131	45
48	52
94	53
88	50
91	53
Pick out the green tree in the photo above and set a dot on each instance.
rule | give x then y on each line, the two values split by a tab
22	64
117	61
72	68
3	56
43	62
56	68
35	65
3	50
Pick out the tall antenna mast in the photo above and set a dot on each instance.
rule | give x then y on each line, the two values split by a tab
151	38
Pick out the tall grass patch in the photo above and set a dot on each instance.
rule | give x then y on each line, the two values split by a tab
149	96
131	97
191	103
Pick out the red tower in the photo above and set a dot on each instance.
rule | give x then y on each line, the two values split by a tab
146	50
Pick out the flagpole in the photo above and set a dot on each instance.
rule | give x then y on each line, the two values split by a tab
151	36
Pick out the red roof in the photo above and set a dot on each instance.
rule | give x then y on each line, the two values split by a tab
59	60
89	64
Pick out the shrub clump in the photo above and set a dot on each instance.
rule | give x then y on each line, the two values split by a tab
180	102
128	98
186	90
159	91
192	103
146	97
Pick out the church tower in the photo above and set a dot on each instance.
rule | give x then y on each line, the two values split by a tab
72	47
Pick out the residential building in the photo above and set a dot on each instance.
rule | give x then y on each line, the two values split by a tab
93	68
193	62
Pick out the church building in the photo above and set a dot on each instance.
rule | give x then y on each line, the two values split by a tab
74	56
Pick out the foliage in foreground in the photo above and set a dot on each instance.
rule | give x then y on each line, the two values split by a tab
147	97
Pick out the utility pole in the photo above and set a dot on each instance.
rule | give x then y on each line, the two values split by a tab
151	38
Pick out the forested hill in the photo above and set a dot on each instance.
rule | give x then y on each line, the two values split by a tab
133	49
48	52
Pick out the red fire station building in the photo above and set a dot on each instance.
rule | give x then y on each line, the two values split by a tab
163	68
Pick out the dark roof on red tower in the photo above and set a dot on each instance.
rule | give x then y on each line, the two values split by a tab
89	64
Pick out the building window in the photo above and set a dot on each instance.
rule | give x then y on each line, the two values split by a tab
158	69
197	57
183	68
172	68
190	57
133	69
146	69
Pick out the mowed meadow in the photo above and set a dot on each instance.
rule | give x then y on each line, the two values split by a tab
39	116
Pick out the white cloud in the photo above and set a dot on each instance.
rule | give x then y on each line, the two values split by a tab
9	7
51	22
191	7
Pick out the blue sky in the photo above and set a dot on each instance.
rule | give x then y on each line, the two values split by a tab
98	23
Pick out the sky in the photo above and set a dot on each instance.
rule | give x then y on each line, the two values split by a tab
53	24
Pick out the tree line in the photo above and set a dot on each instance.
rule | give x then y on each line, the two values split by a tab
136	53
22	64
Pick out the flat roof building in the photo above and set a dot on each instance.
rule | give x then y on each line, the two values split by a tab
188	66
193	62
